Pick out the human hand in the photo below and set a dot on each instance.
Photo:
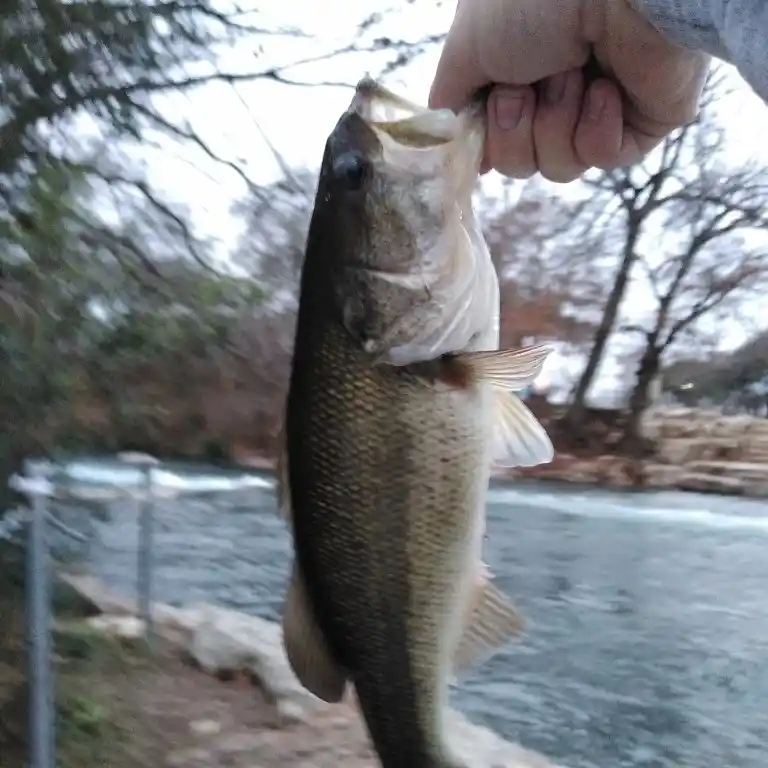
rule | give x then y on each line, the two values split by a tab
546	112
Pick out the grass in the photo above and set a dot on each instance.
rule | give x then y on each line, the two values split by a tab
90	718
91	728
118	705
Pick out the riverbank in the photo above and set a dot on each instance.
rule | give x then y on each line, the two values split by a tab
235	702
213	690
690	450
645	612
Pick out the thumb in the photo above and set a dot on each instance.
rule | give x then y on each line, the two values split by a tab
458	75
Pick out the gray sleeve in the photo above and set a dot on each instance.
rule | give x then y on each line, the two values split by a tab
735	31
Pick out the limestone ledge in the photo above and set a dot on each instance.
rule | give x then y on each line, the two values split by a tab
223	641
696	450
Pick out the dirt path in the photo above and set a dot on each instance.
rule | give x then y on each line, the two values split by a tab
158	710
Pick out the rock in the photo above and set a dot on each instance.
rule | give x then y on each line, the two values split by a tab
757	490
605	469
482	748
681	451
227	641
738	469
94	592
66	601
687	444
175	624
129	627
205	727
703	483
184	758
710	452
662	475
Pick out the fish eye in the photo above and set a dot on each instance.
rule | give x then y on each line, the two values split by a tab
352	169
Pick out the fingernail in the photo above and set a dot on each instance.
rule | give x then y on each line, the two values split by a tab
555	88
509	109
596	103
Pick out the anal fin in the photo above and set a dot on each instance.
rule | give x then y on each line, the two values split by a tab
305	645
491	622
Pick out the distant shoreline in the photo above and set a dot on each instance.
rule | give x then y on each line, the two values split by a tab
606	472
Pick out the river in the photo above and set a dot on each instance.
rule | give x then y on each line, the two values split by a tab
648	613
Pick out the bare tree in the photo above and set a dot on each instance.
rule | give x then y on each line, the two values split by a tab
666	218
548	284
713	269
271	247
736	380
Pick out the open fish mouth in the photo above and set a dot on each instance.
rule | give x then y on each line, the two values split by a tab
426	298
404	121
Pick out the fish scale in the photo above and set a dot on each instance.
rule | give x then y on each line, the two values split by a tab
371	539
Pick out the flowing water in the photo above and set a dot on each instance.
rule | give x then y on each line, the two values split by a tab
648	614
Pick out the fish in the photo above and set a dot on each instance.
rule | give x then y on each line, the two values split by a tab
398	403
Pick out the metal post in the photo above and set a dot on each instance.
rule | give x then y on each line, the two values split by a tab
146	542
42	735
145	555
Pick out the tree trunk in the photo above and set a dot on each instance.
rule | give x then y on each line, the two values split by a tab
574	417
650	364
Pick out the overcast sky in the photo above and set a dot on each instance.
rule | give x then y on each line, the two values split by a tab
235	120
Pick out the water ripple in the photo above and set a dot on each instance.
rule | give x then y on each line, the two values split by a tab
648	621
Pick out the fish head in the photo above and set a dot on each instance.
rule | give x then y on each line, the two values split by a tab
395	197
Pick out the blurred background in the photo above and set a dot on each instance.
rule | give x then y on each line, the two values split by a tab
158	161
157	175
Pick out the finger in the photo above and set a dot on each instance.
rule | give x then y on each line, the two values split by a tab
600	139
642	131
457	76
554	126
509	140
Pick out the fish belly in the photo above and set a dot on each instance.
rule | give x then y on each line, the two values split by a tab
386	476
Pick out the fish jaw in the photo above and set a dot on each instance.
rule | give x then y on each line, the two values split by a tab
413	278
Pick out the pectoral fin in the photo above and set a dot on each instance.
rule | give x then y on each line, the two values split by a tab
519	440
305	645
491	622
508	369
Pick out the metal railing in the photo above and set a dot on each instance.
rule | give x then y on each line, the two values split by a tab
41	483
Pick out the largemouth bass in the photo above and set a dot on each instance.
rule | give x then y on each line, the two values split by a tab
399	399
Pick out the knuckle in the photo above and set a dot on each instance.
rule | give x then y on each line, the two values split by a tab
594	150
516	169
556	156
562	174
